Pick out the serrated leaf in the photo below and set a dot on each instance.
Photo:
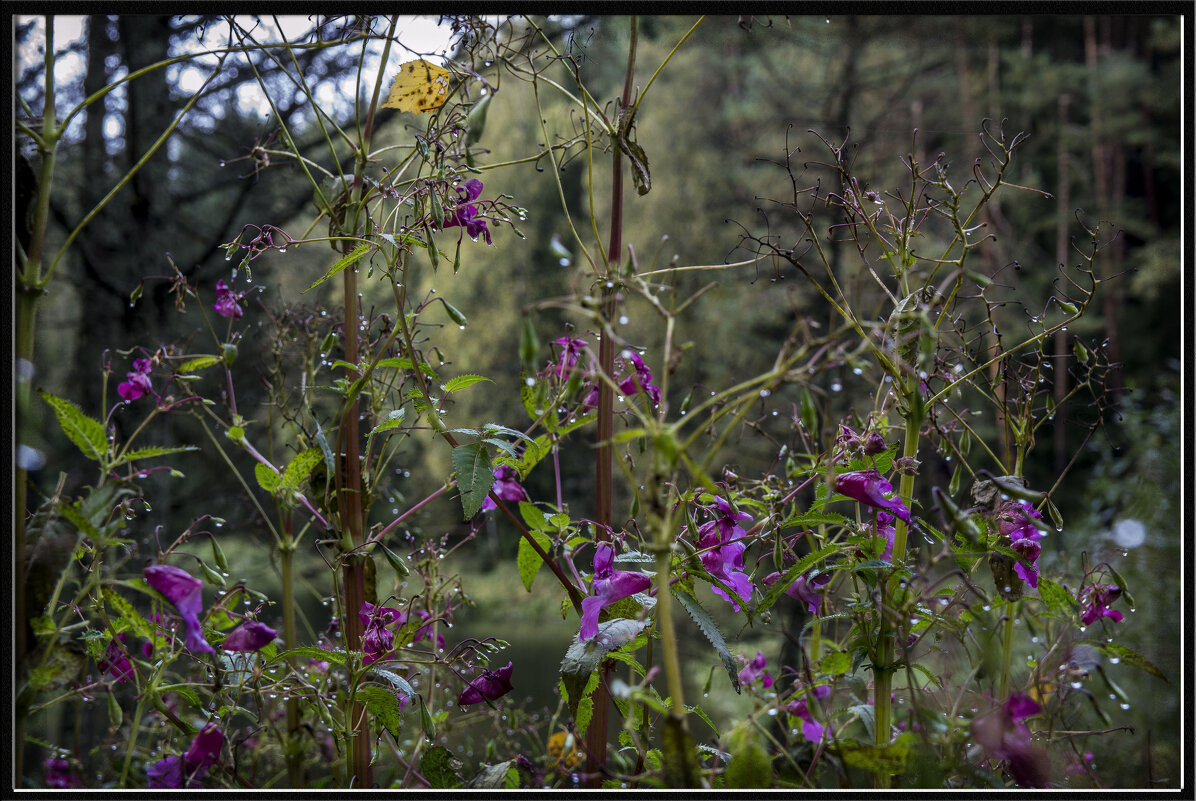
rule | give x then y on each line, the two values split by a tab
528	560
152	452
198	363
143	627
348	260
495	428
419	86
300	467
1057	599
835	663
396	681
403	363
384	705
471	463
393	420
267	479
582	658
311	652
706	624
439	767
462	381
86	432
532	515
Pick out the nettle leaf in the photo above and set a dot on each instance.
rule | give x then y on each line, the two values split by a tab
267	479
397	681
392	421
300	467
706	624
791	575
1057	599
532	515
462	381
383	705
528	560
310	652
419	86
582	658
471	463
152	452
403	363
835	663
86	432
439	767
1132	657
348	261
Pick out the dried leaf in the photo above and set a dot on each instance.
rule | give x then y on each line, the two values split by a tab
419	86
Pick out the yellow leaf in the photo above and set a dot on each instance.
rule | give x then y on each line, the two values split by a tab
419	86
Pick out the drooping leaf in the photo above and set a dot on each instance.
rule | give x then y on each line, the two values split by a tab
152	452
582	658
1057	599
439	767
86	432
791	575
471	462
706	624
348	260
419	86
1132	657
299	468
383	704
309	652
198	363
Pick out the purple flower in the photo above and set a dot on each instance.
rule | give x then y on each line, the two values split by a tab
377	640
754	671
426	630
610	585
640	379
570	352
115	661
874	444
138	382
226	301
185	593
870	487
1029	550
1099	599
1005	737
59	775
722	552
466	214
800	707
505	486
170	772
249	636
488	686
1015	521
805	588
883	527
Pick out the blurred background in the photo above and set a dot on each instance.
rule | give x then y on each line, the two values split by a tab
1097	95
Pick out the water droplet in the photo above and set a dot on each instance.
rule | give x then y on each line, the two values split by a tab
764	393
1075	685
1125	706
624	319
836	386
1115	660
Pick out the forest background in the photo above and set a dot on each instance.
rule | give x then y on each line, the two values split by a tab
1099	97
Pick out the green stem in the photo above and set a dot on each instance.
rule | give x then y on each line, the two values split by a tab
290	640
1007	648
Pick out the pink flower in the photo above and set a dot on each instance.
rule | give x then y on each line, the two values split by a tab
488	686
754	671
377	640
138	382
505	486
1005	737
170	773
185	593
115	661
805	588
570	352
723	549
59	774
226	300
610	585
870	487
1100	597
249	636
811	729
466	214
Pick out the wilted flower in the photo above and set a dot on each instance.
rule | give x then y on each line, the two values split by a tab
505	486
465	215
138	382
722	552
169	773
488	686
870	487
800	707
1004	736
874	443
249	636
610	586
754	671
59	775
1100	597
226	300
115	661
185	593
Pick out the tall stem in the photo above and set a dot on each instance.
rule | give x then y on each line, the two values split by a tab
603	469
290	639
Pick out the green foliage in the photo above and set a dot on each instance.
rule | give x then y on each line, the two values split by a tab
86	432
471	463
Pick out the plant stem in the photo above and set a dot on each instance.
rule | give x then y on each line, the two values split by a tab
290	640
1007	648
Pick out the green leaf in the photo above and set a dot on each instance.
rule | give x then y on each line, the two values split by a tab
890	758
462	381
532	515
582	658
1057	599
706	624
791	575
471	463
403	363
267	479
143	627
198	363
152	452
528	560
750	766
1132	657
349	260
86	432
835	663
439	767
396	681
383	705
300	467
